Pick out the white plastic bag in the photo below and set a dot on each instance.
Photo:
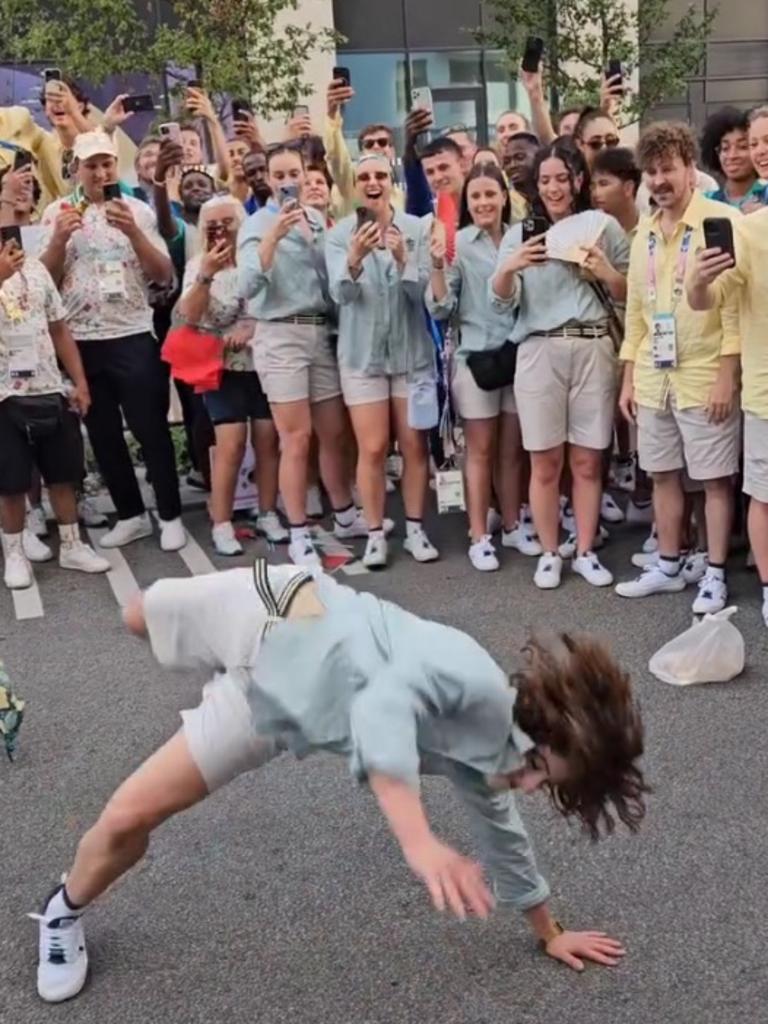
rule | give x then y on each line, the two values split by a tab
711	651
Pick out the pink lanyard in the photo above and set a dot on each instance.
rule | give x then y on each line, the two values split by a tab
678	286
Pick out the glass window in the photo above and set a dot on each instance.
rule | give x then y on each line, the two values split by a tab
444	68
380	93
503	91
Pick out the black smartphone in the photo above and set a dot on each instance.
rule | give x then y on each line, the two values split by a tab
241	109
534	51
52	74
533	226
615	70
11	233
718	234
22	158
365	216
112	191
342	75
139	104
195	83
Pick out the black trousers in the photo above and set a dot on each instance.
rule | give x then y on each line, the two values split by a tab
126	378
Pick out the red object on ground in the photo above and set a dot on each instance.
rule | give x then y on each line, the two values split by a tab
335	561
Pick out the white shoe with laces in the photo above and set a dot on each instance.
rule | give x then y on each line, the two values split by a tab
89	515
568	548
712	596
695	566
173	536
62	957
268	525
609	510
302	551
527	543
36	521
420	546
592	570
376	553
18	572
652	581
34	548
225	541
75	554
126	531
483	556
643	559
651	542
549	572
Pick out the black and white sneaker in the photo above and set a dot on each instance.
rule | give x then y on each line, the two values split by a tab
63	959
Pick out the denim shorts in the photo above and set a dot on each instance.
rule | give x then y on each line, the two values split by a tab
239	399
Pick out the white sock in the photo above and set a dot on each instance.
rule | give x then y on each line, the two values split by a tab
299	532
413	528
376	534
58	906
345	516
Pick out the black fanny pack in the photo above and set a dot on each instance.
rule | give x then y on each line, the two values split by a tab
36	415
494	369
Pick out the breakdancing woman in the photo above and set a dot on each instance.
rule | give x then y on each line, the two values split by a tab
304	664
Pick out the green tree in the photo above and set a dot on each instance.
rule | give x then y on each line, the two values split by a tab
581	36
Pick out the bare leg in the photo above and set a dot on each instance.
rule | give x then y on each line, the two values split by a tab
64	503
587	472
480	436
757	525
413	447
294	425
267	448
668	502
13	510
509	468
546	469
719	517
230	449
332	428
370	423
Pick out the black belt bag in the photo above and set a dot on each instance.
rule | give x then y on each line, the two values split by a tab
37	416
495	369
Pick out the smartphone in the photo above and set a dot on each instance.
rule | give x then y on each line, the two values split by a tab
342	75
615	70
718	234
289	194
112	191
533	226
534	51
52	75
241	109
194	83
138	104
422	98
171	130
22	158
365	216
301	111
11	233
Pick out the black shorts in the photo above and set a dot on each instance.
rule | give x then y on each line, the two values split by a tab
58	455
239	399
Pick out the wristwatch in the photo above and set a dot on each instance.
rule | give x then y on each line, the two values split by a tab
555	930
438	264
204	279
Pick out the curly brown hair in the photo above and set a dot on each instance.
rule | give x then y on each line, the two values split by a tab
666	138
578	701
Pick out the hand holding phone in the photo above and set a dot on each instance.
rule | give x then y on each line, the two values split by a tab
171	130
534	51
421	99
718	234
141	103
534	226
112	191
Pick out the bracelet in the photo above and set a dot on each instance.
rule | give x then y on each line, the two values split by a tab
557	929
204	279
438	264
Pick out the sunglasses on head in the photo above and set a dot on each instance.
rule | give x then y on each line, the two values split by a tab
377	142
597	144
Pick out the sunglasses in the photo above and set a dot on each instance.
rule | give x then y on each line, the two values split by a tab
597	144
377	142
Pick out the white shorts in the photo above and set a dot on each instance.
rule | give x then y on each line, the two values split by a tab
361	389
296	362
472	403
756	457
674	439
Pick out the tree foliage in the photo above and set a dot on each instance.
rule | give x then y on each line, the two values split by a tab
581	36
250	48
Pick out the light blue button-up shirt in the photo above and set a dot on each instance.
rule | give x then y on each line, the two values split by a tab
481	326
296	283
382	327
554	294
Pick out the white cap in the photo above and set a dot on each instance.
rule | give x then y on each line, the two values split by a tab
95	143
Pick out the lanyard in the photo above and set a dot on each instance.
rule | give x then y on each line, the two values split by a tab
678	286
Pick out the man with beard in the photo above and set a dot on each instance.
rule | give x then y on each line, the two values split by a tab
680	369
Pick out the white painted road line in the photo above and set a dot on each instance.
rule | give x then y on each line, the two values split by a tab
333	546
120	578
27	603
193	556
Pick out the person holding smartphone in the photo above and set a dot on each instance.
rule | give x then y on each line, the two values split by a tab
281	261
103	250
378	269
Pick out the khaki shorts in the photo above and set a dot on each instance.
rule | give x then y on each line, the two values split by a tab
756	457
296	362
472	403
566	391
359	389
675	439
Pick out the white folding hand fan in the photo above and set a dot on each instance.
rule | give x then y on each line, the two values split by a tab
568	239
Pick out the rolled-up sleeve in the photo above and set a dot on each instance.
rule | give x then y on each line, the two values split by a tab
343	287
635	327
443	309
253	277
511	241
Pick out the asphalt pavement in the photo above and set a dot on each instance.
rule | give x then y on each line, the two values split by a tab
283	900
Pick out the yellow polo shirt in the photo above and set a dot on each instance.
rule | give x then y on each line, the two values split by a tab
702	338
749	284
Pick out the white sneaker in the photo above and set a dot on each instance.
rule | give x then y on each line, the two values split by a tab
609	510
314	506
493	521
63	959
36	521
302	551
645	558
82	558
590	567
651	542
548	572
695	566
357	528
34	548
376	552
268	524
18	572
483	556
89	515
712	596
126	531
567	518
568	548
224	540
173	536
420	546
653	581
639	515
526	543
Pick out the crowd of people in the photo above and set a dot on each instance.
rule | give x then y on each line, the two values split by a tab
546	311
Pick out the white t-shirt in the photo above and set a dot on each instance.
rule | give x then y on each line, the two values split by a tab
28	303
105	291
225	307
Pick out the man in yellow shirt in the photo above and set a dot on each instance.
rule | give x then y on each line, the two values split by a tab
680	369
713	283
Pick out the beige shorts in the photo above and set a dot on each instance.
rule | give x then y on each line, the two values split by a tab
566	391
472	403
296	362
359	389
756	457
675	439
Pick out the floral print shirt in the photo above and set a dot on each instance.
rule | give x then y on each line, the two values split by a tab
90	313
28	303
226	307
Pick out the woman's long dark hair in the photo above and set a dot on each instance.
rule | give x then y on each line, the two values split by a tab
493	172
567	152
